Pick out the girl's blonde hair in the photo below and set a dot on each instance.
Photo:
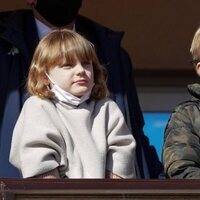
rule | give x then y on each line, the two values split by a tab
57	48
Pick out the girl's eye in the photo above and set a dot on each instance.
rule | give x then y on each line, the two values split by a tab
86	64
67	66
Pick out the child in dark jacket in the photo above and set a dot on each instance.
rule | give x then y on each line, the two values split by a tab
181	150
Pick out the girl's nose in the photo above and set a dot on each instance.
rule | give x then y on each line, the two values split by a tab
80	68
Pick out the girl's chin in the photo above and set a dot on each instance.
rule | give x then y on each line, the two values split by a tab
80	94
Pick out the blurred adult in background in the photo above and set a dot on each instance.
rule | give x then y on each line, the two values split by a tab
20	32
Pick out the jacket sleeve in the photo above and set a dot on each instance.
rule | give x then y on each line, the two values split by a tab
37	146
121	146
181	147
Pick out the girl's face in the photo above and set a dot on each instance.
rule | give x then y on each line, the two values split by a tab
77	79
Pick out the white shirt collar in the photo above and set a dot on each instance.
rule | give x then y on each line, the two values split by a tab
44	29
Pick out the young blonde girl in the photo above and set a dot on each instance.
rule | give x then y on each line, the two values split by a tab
68	128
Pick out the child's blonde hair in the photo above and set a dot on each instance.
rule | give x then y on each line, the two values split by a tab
195	46
57	48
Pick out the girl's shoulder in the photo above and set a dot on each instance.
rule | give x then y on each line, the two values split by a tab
107	103
36	101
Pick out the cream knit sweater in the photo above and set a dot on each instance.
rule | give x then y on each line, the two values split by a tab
82	142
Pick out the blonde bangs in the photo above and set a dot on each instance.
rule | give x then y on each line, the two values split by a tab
75	48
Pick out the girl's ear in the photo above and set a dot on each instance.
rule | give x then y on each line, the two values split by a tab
198	68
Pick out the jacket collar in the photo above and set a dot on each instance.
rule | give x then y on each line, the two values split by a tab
194	90
94	31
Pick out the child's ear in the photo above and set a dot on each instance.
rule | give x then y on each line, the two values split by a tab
198	68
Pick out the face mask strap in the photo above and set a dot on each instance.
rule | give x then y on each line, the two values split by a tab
52	81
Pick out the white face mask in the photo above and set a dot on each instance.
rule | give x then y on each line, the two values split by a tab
67	97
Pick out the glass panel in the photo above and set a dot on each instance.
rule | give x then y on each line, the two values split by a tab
155	123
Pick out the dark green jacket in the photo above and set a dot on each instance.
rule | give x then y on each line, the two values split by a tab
181	150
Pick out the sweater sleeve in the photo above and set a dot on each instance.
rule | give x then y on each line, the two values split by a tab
181	147
121	145
37	145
